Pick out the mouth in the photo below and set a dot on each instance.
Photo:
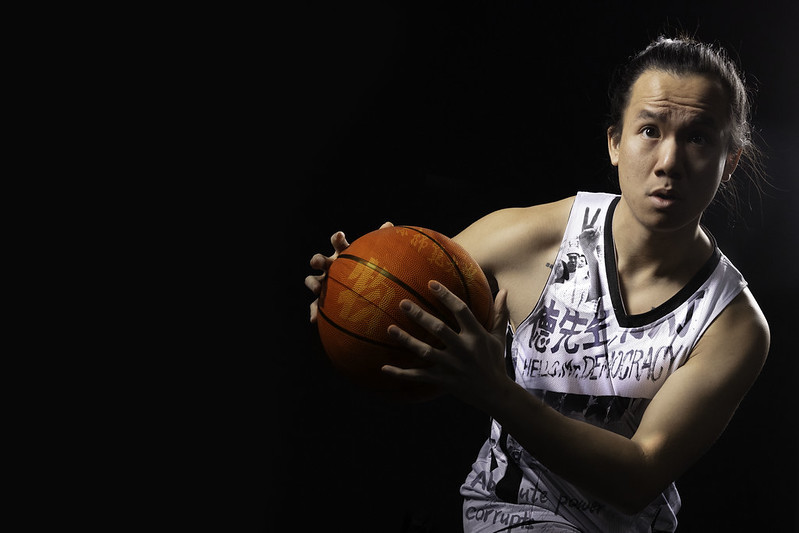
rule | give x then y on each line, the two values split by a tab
663	197
664	193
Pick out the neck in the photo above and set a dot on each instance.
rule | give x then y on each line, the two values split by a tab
670	253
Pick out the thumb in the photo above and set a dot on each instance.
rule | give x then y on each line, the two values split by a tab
500	314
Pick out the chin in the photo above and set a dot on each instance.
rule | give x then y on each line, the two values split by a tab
664	223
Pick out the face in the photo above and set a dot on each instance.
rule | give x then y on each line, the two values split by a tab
572	262
673	150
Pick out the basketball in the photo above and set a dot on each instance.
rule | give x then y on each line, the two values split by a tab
361	295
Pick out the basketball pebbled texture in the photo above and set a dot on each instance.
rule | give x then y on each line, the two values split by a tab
361	296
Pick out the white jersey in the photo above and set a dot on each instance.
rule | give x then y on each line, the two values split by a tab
582	354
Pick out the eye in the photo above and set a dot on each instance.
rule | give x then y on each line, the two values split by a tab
650	132
698	139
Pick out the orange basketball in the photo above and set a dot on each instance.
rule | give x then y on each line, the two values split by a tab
361	296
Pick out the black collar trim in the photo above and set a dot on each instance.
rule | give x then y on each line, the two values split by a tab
640	320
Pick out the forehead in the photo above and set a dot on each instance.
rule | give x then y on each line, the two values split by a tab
684	96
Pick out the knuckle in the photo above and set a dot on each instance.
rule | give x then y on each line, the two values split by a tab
416	312
438	327
404	339
459	307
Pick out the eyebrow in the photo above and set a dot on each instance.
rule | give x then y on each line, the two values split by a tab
645	114
700	119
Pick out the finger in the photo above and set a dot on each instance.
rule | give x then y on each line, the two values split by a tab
418	375
314	284
314	311
585	218
421	349
429	322
320	262
461	311
596	216
387	225
339	241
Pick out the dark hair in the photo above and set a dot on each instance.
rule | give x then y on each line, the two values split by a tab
684	55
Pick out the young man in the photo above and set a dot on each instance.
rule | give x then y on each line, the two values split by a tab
612	393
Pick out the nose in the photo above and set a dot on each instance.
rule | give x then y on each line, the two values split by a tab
670	159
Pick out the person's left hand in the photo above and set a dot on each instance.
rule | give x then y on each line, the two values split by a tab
589	236
471	365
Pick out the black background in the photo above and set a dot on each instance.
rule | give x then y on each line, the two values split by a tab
436	115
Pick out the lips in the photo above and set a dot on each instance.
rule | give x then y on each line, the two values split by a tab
663	198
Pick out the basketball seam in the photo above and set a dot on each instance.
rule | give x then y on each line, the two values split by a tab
353	334
451	260
369	302
385	273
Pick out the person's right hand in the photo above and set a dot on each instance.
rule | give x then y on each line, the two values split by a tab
321	262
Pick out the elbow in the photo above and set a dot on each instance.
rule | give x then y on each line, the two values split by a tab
640	485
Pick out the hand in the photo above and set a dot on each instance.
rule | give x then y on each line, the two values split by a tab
589	237
320	262
471	365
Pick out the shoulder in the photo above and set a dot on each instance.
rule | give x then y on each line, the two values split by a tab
502	237
738	339
741	319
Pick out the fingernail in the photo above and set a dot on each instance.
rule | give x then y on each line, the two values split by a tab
435	286
405	305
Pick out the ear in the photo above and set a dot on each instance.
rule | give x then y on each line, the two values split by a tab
730	166
613	148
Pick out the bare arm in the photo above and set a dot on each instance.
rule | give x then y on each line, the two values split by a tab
514	247
683	420
504	239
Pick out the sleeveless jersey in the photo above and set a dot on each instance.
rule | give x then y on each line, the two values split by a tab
580	353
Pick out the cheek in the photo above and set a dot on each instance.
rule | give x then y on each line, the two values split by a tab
634	163
708	168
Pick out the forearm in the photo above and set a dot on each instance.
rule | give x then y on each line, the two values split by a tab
611	467
593	277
